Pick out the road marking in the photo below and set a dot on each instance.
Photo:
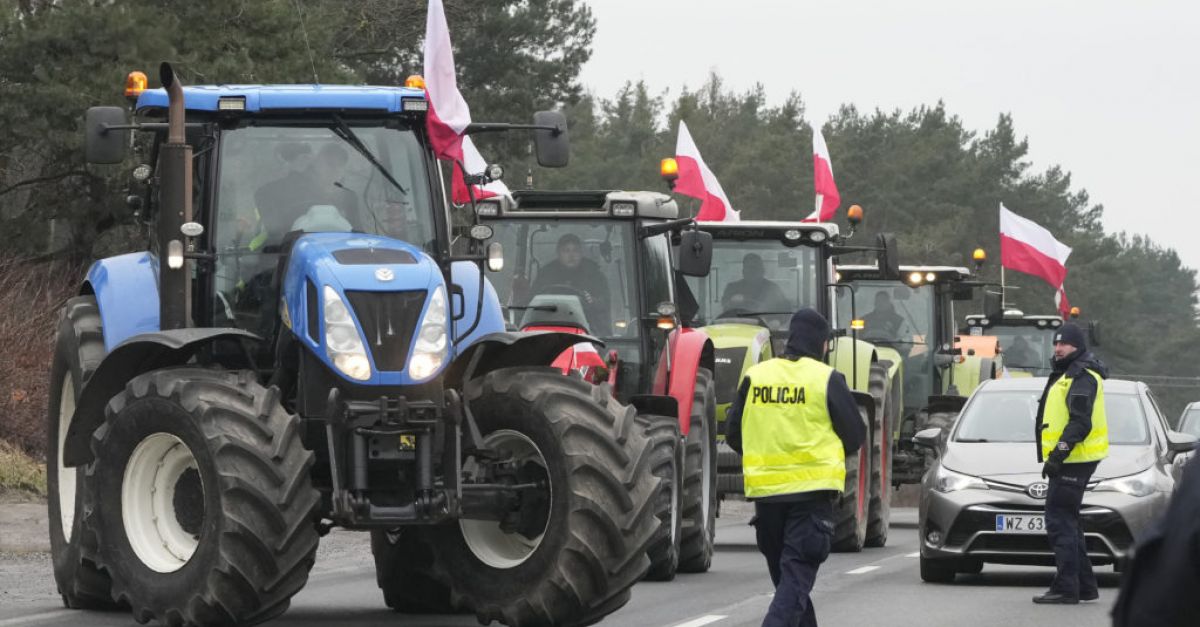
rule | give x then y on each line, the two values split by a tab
703	620
864	569
917	554
36	618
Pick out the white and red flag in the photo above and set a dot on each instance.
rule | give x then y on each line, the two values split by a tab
449	114
697	181
1026	246
475	164
828	197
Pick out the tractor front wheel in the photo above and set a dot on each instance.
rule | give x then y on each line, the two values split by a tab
663	432
700	479
208	506
851	509
576	562
879	510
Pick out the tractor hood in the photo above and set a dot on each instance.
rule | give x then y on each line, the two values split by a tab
387	286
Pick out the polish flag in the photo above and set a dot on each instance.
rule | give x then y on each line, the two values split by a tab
475	164
449	114
697	181
1027	247
828	197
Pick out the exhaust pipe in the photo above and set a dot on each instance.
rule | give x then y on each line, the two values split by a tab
175	208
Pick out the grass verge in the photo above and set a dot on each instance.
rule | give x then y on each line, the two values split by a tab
20	472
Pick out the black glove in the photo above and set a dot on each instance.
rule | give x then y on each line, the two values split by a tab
1053	467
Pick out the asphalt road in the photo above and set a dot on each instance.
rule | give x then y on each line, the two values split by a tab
875	587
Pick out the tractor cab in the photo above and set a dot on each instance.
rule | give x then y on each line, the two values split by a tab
596	263
1026	340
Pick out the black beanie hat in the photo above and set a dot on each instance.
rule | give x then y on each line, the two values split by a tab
1073	335
808	332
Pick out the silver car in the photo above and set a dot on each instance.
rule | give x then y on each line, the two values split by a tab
983	500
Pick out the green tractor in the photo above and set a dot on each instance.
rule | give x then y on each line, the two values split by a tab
910	320
761	273
1026	340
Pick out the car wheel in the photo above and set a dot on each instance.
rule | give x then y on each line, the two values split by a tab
937	571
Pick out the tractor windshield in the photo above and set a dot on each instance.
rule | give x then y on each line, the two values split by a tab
1025	348
279	179
569	273
900	317
758	279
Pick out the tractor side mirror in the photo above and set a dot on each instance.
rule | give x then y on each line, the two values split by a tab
553	147
104	145
1094	333
695	252
962	292
889	256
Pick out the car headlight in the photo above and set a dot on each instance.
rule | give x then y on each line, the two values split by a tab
1142	484
429	350
947	480
342	341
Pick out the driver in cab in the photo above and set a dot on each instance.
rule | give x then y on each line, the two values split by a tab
754	293
884	318
309	199
583	277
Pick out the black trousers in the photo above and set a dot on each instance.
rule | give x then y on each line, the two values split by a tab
795	539
1063	502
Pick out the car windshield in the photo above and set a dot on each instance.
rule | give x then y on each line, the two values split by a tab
1009	416
758	278
1025	348
1190	423
278	179
568	272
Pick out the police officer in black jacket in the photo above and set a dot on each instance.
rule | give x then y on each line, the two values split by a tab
794	462
1072	438
1161	585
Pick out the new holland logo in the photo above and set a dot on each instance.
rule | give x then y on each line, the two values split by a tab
1038	490
384	274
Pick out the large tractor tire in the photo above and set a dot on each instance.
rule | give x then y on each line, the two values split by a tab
403	563
879	510
600	517
666	464
208	515
78	350
700	479
850	511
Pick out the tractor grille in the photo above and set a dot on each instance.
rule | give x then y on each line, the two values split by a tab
389	322
728	372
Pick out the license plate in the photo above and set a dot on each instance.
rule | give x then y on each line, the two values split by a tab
1010	523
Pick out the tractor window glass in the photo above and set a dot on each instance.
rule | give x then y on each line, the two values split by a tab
280	179
899	317
759	279
657	272
1010	416
1025	348
568	273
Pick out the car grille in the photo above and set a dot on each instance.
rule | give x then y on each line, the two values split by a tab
389	321
729	372
1097	522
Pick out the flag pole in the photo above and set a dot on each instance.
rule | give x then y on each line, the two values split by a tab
1003	293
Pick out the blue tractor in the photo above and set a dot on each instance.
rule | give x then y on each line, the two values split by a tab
310	341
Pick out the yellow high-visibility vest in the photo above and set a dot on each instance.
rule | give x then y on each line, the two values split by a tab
1056	415
788	441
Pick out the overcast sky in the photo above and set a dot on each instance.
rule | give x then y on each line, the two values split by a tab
1107	89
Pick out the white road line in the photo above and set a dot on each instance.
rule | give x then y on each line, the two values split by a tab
37	618
703	620
917	554
864	569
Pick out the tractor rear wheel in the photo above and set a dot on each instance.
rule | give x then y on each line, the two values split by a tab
590	547
851	509
666	464
78	350
700	479
209	508
402	570
879	510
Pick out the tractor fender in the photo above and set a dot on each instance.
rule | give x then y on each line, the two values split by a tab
656	404
508	349
113	281
137	355
842	355
968	373
690	350
941	403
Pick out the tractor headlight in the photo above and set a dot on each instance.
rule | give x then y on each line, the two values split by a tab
342	342
429	351
1142	484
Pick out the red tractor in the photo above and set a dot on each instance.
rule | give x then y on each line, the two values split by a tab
600	264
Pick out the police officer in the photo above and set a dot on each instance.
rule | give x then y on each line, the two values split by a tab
1072	436
793	422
